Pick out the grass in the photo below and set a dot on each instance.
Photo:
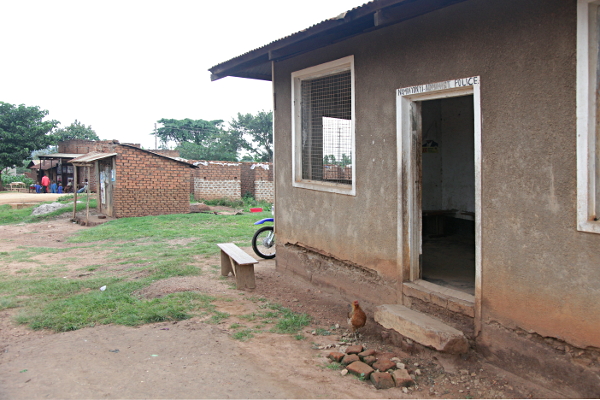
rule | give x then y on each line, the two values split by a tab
246	203
136	253
243	335
8	215
334	365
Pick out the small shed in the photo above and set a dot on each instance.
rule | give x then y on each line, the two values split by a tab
128	180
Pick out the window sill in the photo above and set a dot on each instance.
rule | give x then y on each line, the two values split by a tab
589	226
322	186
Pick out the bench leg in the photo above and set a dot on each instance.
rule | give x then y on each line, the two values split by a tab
225	264
244	278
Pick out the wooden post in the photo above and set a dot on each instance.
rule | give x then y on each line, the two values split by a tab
74	189
87	190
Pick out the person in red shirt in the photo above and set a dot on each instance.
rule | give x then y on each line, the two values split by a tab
46	184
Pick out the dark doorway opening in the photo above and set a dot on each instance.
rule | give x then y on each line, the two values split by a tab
448	193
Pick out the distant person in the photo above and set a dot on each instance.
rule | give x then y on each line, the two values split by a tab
69	187
38	188
46	184
60	188
53	187
84	188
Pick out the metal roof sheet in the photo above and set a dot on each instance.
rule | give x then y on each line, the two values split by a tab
377	14
42	164
59	155
91	157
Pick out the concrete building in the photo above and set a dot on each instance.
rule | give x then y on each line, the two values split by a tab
442	158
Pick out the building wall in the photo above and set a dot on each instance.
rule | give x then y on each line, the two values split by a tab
539	274
146	184
232	180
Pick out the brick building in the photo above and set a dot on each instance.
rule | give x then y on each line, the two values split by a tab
232	180
130	181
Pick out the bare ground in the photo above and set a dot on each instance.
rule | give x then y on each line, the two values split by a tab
194	359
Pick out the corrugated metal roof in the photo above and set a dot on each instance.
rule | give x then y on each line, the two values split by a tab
377	14
91	157
42	164
59	155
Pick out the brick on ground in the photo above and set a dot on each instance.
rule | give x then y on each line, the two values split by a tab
354	349
336	356
366	353
383	364
369	360
402	378
382	380
359	368
349	359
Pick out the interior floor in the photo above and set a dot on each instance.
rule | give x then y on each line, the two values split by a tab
449	259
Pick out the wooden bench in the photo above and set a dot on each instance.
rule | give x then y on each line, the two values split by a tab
16	186
240	264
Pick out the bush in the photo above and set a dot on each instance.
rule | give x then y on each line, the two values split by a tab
6	179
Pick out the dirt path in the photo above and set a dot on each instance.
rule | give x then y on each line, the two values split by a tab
20	197
193	359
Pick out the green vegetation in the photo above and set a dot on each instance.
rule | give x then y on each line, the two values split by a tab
6	179
8	215
334	365
244	204
243	335
213	140
136	252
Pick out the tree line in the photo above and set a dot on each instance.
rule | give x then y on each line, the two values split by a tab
248	137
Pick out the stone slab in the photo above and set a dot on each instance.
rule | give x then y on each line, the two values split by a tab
422	328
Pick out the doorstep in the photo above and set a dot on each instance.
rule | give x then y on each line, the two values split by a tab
450	299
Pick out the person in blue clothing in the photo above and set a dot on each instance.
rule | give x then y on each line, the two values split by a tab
38	188
60	188
53	187
84	188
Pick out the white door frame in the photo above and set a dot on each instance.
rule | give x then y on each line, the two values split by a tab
408	139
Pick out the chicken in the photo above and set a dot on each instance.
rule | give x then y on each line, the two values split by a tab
356	318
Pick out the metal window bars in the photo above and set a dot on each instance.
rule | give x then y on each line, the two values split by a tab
327	128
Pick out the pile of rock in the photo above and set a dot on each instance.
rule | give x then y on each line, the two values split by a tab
383	371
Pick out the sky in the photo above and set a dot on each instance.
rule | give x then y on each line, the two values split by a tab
120	66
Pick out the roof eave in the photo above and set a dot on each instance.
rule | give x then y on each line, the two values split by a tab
369	17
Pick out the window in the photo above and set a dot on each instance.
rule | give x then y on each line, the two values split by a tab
323	127
588	116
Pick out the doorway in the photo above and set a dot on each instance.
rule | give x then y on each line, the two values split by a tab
439	185
448	193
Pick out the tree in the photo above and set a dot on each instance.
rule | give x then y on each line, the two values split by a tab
76	130
22	130
201	140
259	128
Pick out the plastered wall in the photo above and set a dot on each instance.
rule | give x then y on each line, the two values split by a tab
538	272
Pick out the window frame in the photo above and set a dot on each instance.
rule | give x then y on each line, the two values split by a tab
328	68
588	135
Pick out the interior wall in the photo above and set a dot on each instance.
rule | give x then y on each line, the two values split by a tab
448	172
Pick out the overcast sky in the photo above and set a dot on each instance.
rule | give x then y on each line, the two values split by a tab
120	66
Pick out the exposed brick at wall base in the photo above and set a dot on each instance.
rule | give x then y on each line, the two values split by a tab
572	372
210	190
355	282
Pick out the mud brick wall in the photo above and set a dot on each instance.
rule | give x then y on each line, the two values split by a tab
217	180
260	181
232	180
80	146
147	184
